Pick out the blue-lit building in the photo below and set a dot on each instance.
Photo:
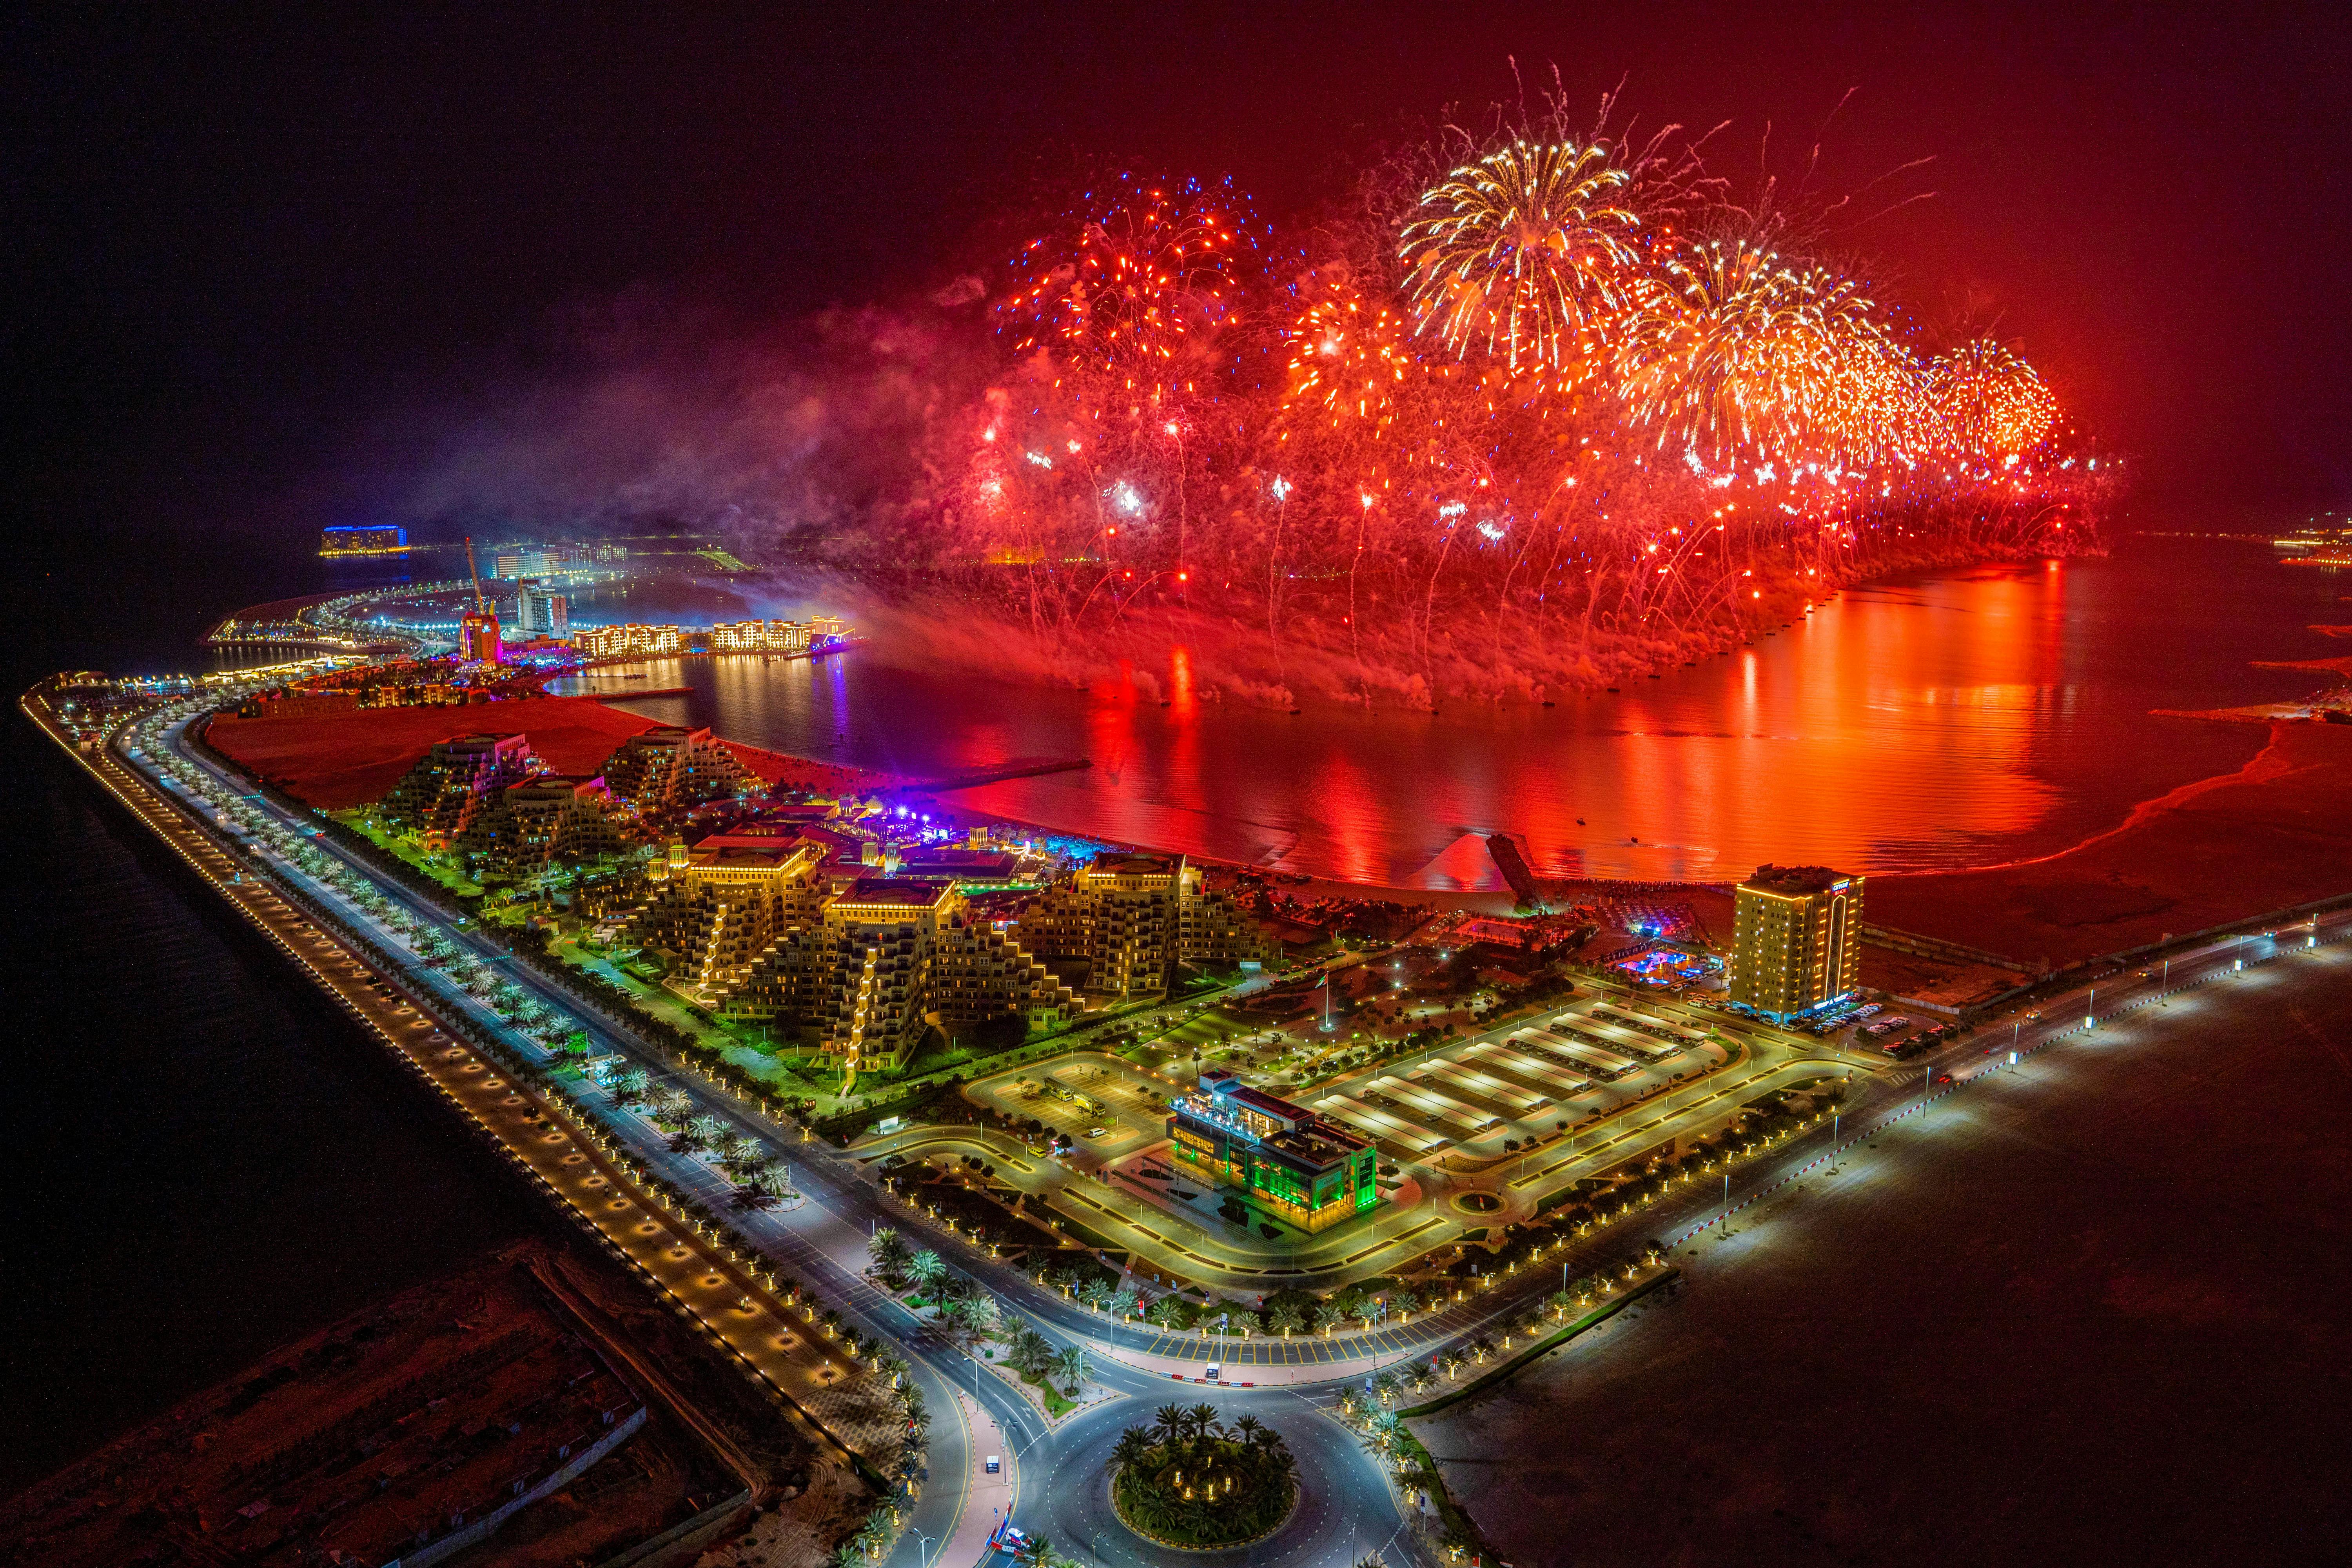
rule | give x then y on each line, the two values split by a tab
1303	1166
385	540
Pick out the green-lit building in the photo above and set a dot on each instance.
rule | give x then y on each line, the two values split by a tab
1308	1169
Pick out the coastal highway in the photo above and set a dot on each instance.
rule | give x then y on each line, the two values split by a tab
824	1239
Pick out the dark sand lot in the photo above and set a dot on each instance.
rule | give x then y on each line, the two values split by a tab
2089	1311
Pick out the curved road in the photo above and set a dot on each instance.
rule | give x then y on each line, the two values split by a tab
1055	1477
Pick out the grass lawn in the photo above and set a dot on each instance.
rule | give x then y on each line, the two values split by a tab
406	851
1056	1406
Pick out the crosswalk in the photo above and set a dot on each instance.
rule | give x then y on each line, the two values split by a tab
1238	1354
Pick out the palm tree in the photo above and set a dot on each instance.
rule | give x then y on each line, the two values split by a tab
1247	1428
1132	1445
1032	1351
1096	1292
889	1250
1168	1423
1124	1304
1285	1319
927	1268
1073	1367
1327	1316
1203	1417
978	1314
1366	1312
1419	1376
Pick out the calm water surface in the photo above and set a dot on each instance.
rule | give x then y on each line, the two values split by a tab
1945	722
207	1158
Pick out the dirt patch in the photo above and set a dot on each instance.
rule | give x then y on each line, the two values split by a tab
431	1405
1944	982
338	760
2273	833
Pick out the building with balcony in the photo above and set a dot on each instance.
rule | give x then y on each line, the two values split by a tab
549	817
629	640
1796	940
1310	1169
1133	920
759	637
439	798
671	767
723	902
542	613
634	641
890	959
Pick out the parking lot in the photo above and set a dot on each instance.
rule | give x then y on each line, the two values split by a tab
1074	1096
1566	1067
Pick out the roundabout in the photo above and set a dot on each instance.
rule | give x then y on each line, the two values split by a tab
1339	1506
1191	1482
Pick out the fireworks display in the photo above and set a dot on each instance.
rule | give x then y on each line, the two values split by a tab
1528	413
1524	256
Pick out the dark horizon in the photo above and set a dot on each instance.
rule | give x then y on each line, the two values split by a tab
253	266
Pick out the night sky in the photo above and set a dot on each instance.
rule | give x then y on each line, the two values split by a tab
241	246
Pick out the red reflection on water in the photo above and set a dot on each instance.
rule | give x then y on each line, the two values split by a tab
1952	721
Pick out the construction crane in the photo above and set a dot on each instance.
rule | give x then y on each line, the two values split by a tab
480	604
479	631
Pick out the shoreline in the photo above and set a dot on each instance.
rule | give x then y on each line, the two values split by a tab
2232	844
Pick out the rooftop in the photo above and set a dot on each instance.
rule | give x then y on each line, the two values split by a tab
1132	866
1796	881
901	892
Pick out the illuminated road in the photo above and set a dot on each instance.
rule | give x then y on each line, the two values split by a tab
824	1239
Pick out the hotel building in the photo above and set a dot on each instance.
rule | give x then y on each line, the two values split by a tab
623	641
723	902
478	637
1133	919
553	816
542	613
671	766
1310	1171
753	921
633	640
438	798
1796	940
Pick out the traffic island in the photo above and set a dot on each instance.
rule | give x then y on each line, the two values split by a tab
1189	1483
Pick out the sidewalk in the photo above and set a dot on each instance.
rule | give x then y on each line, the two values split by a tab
985	1497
